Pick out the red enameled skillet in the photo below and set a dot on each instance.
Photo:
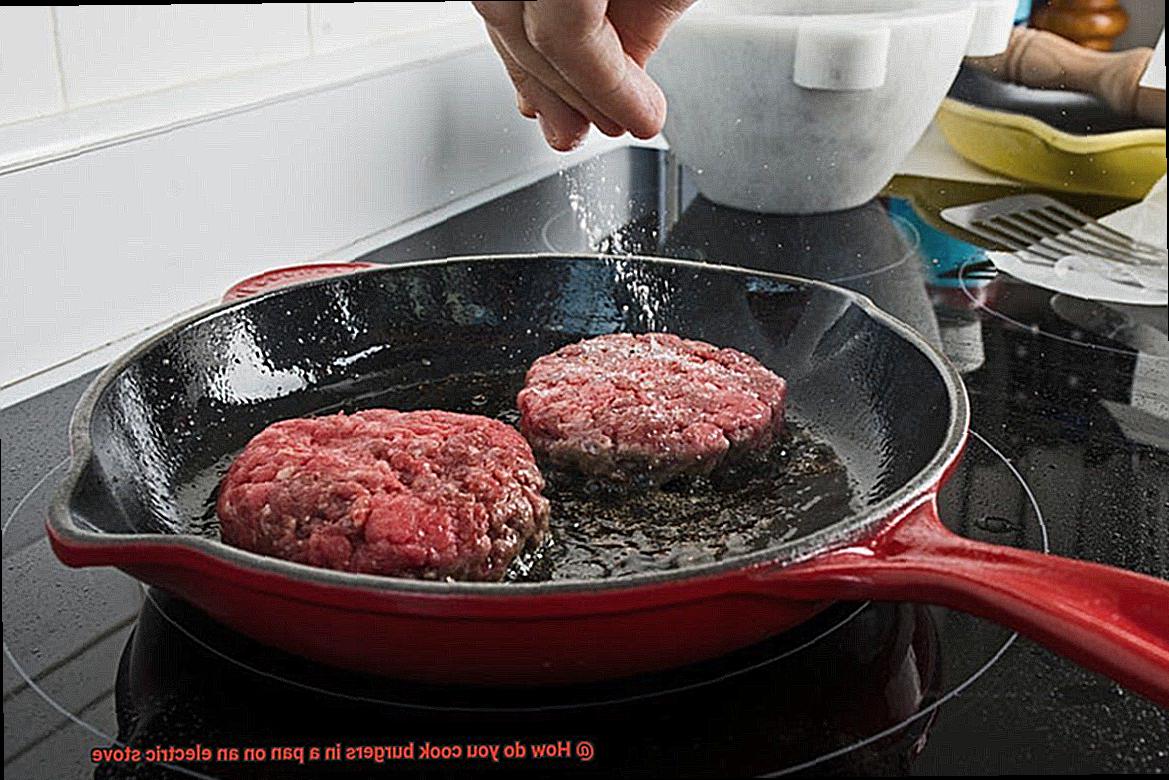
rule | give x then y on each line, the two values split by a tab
153	432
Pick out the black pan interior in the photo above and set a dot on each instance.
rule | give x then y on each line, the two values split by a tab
168	419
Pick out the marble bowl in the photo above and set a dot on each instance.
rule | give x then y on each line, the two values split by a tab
807	106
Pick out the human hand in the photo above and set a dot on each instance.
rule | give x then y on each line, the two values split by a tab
581	62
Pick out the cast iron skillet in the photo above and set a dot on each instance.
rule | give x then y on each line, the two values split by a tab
157	421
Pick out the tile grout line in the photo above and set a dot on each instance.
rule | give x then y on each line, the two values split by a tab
56	25
308	20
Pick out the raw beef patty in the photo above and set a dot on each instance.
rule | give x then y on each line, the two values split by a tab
426	494
649	406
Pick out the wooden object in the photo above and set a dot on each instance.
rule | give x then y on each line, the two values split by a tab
1094	24
1043	60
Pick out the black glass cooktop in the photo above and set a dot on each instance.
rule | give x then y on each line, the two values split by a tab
1069	453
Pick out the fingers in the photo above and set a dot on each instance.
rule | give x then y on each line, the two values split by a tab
580	61
505	22
643	25
564	127
579	40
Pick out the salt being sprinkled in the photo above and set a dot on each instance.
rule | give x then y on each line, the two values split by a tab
605	222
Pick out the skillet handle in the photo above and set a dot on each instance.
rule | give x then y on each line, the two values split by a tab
1109	620
276	278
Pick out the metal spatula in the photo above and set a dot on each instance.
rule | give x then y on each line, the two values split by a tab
1041	230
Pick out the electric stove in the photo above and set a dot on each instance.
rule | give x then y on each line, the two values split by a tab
1069	454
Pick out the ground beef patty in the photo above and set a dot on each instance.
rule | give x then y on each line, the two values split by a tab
427	494
651	405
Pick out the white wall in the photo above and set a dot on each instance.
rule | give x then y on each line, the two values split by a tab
117	216
54	58
30	78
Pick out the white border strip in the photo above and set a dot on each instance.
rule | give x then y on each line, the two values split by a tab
53	376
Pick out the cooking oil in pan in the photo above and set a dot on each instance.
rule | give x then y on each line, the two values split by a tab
600	530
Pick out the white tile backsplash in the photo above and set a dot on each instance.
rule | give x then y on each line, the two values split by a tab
113	51
54	58
85	128
260	143
340	25
30	81
97	246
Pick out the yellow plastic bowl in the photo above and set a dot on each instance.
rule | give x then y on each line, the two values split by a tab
1124	164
